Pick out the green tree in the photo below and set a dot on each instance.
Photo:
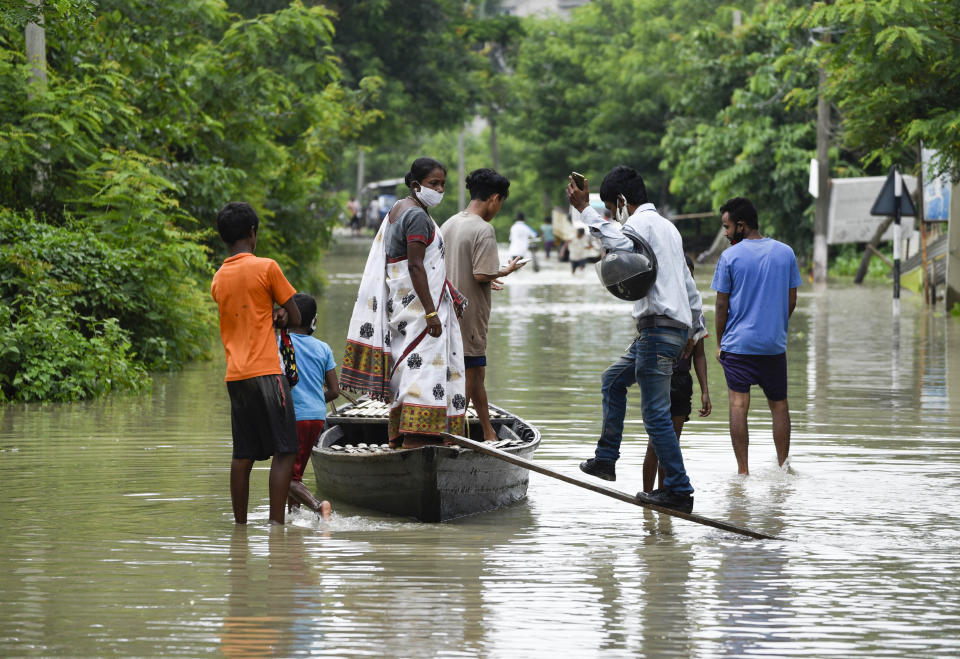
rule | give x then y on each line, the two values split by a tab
893	70
594	91
246	109
496	40
417	50
732	134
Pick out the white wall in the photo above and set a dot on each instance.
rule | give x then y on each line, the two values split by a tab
540	7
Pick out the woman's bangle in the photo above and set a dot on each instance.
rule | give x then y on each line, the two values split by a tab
430	315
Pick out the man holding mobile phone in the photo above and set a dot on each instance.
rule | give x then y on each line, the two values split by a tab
473	267
664	318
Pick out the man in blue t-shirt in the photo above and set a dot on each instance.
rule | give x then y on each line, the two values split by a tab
756	282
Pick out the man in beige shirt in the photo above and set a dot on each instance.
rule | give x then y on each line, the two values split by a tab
473	266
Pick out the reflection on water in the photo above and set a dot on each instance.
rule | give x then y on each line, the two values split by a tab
117	536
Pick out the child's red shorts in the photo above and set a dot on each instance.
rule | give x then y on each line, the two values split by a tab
308	433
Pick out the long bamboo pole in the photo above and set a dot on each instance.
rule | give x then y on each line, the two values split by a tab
480	447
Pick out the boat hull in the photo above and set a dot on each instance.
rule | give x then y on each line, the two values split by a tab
431	484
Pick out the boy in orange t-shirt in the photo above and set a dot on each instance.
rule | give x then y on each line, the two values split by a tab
261	409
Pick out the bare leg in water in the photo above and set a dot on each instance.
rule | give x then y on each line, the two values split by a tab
739	436
781	428
299	494
281	470
477	393
240	488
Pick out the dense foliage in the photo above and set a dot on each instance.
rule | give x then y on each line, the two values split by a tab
894	73
153	116
732	134
595	91
83	314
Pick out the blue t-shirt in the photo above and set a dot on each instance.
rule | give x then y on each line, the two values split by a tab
758	275
314	359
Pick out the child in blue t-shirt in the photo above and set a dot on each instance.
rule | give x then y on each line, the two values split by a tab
318	386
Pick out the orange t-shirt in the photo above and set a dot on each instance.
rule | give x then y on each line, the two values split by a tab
245	288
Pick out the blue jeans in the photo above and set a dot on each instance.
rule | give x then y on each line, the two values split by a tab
649	362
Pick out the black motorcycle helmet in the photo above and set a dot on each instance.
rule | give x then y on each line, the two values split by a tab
629	275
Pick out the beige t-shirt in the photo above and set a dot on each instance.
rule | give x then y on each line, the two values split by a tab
471	248
582	247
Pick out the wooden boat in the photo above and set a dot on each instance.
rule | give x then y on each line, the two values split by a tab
353	464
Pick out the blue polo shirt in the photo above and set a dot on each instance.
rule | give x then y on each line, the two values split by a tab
758	276
314	359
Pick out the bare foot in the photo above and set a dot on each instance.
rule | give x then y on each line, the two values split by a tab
325	510
301	495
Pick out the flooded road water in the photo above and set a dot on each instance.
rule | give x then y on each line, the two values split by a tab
116	533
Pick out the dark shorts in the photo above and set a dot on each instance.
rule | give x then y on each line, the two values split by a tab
262	418
681	393
474	362
768	371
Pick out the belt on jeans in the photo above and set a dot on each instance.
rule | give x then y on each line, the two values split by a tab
646	322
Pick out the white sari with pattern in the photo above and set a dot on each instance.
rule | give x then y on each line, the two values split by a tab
390	355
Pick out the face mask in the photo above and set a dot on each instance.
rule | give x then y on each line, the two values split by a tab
622	214
313	324
428	196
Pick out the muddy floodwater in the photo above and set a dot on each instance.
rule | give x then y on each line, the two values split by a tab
117	538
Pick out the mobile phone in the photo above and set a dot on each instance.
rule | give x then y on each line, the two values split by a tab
523	261
578	179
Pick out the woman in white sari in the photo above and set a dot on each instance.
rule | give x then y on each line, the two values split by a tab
404	345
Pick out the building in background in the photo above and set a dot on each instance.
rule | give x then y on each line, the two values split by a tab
539	7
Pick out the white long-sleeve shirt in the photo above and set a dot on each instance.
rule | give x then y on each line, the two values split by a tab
520	236
674	293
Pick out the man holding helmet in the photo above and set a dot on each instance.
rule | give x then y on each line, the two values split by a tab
667	305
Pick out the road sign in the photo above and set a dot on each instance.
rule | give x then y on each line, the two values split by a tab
936	190
885	204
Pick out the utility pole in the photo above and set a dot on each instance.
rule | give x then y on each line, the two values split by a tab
36	42
461	173
360	175
494	146
36	39
822	207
